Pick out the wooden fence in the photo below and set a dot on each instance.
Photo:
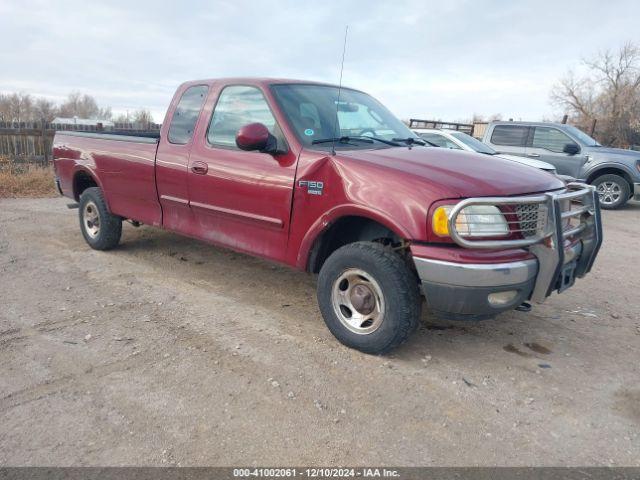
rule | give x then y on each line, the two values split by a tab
29	143
22	145
475	129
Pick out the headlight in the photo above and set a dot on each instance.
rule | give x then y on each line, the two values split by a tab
472	221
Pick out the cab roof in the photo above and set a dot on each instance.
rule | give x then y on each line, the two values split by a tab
258	81
528	124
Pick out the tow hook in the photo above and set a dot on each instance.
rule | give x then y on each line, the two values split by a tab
524	307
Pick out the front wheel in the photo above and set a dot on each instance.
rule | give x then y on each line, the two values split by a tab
369	297
99	227
613	191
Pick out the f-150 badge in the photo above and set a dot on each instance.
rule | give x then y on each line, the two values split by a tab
313	187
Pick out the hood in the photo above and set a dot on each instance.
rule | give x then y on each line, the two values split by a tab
612	152
456	173
529	161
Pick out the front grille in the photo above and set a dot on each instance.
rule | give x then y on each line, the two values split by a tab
532	219
560	214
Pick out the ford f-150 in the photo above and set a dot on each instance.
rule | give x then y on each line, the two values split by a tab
327	180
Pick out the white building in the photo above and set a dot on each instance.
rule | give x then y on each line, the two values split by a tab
76	123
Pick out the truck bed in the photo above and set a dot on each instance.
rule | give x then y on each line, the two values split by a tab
124	165
142	137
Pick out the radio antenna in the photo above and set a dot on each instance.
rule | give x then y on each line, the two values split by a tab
335	122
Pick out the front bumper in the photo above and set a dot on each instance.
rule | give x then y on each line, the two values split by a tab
564	248
636	191
473	291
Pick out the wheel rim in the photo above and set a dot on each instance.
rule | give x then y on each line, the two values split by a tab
358	301
91	219
609	192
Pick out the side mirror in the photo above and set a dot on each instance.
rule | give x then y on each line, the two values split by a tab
571	148
256	136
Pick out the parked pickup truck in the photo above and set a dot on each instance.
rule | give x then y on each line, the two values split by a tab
329	181
613	171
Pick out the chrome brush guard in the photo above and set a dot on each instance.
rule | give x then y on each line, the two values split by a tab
549	224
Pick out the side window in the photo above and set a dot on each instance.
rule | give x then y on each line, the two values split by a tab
510	135
186	114
550	139
238	106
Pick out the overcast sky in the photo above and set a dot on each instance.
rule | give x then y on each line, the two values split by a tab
445	60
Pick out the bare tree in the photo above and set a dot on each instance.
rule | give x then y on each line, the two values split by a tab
21	107
477	118
121	118
83	106
4	108
45	110
104	113
608	93
16	107
142	117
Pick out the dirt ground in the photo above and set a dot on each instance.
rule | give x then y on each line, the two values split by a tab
167	351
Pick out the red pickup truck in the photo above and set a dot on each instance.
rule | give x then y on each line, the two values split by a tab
327	180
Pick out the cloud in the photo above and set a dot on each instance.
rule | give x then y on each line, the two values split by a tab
443	60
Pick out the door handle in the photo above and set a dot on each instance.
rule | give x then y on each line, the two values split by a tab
532	155
200	168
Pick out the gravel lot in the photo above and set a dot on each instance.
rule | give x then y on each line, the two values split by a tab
167	351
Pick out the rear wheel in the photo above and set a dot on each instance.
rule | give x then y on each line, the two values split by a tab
369	297
99	227
613	191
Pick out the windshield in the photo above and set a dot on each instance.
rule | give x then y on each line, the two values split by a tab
311	111
475	144
581	136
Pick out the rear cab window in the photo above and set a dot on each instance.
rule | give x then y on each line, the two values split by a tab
186	114
510	135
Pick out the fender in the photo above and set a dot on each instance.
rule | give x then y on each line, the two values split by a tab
618	166
340	211
89	169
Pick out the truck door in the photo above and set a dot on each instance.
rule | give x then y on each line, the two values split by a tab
241	199
548	145
172	159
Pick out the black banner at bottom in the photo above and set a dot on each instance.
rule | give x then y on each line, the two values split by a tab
320	473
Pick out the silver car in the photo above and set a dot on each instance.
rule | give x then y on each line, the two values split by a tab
461	141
